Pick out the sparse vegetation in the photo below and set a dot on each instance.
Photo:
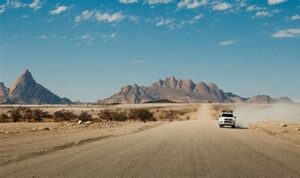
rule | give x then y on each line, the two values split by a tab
113	115
37	115
141	114
63	115
84	116
26	114
120	115
15	115
4	118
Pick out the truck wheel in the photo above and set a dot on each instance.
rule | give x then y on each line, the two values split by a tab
233	126
221	126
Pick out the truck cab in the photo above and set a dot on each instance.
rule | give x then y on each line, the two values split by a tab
227	118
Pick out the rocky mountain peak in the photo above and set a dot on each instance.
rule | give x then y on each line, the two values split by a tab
171	81
25	90
2	85
24	80
3	93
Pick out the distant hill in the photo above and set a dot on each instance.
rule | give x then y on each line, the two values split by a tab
25	90
179	90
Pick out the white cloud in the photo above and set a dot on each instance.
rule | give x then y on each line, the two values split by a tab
254	8
191	4
36	4
85	15
99	16
158	1
113	35
295	17
58	10
51	37
166	22
105	38
287	33
2	8
16	4
221	6
263	14
133	18
273	2
107	17
42	37
128	1
197	17
227	43
87	37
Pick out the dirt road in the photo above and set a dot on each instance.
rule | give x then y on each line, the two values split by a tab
196	148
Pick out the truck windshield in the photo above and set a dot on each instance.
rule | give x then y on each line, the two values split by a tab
227	115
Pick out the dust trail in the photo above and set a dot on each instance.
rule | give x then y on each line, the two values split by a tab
253	113
205	111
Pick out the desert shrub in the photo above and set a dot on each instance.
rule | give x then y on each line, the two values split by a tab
141	114
15	115
63	115
26	114
3	118
46	114
169	115
113	115
37	115
84	116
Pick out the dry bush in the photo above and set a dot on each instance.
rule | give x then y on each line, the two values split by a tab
175	114
15	115
47	115
63	115
26	113
4	118
143	115
169	115
37	115
113	115
84	116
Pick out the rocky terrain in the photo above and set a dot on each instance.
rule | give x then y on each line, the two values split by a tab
283	130
25	90
187	91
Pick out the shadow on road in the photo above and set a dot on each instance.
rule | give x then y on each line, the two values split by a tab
235	128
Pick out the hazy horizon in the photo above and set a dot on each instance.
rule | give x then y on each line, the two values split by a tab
88	51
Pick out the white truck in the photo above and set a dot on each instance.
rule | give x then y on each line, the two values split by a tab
227	119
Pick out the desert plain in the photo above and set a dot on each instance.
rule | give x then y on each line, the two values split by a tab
184	140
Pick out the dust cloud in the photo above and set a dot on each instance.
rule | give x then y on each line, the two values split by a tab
249	114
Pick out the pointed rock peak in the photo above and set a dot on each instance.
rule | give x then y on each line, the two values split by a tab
212	85
2	85
188	81
135	85
27	74
171	79
201	83
23	80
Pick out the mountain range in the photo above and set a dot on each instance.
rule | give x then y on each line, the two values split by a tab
25	90
173	90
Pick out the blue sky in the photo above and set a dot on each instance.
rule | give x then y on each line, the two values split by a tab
86	50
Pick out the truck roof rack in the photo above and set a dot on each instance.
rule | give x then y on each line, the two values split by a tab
227	110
